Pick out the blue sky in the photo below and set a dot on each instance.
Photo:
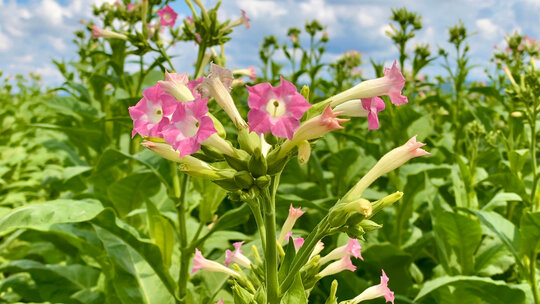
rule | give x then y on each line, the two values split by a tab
33	32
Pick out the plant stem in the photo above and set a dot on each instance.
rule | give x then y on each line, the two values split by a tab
270	256
254	206
534	200
200	57
532	280
185	255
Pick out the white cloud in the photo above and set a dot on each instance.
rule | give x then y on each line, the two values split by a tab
51	11
262	8
488	29
5	42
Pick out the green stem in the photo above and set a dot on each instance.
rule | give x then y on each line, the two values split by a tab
535	201
254	206
272	285
164	54
200	57
533	282
304	253
185	255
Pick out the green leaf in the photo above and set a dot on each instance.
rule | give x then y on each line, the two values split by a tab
211	197
41	216
460	234
490	291
161	232
134	280
148	251
286	262
530	232
130	192
296	294
394	261
232	218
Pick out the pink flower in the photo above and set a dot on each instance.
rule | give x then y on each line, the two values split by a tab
217	85
297	242
344	263
131	7
177	86
150	114
237	256
294	214
275	109
199	262
167	16
99	32
245	19
390	161
390	85
376	291
319	125
189	20
220	301
250	72
369	107
351	248
198	38
189	127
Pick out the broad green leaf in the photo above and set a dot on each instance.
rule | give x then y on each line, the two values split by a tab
41	216
134	280
530	232
232	218
211	197
130	192
296	294
148	251
286	262
394	261
462	235
161	232
490	291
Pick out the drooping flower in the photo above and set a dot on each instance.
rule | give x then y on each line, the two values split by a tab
390	85
242	20
390	161
380	290
177	86
351	248
150	114
217	85
237	256
294	214
344	263
275	109
297	242
250	72
369	107
189	127
167	16
188	164
99	32
199	262
131	7
245	19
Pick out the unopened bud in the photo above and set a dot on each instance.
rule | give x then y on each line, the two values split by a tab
249	141
386	201
305	92
239	164
243	179
355	232
228	184
304	152
342	212
257	163
262	181
369	225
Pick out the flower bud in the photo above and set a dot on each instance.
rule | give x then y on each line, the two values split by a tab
262	181
342	211
305	92
369	225
99	32
304	152
257	164
386	201
243	179
355	231
249	141
294	214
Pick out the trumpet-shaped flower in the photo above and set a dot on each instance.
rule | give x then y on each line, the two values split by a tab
245	19
131	7
390	85
99	32
167	16
376	291
199	262
344	263
237	256
150	114
189	127
275	109
297	242
318	248
250	72
177	86
369	107
390	161
319	125
217	85
351	248
294	214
